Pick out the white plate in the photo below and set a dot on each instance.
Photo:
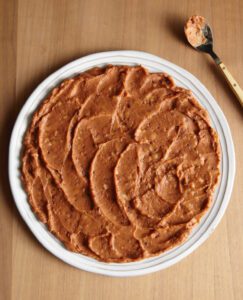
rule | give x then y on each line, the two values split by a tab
222	194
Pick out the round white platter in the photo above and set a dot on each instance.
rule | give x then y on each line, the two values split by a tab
221	197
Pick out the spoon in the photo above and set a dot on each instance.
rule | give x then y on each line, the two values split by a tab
199	35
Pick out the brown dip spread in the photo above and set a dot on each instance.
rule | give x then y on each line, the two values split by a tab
194	31
120	163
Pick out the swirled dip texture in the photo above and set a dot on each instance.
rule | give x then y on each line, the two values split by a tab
120	164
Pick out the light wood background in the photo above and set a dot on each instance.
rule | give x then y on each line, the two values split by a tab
37	37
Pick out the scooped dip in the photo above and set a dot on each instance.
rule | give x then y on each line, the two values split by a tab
120	163
194	31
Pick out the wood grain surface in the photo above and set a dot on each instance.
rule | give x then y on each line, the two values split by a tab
37	37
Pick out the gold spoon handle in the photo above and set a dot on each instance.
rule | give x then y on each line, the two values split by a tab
232	83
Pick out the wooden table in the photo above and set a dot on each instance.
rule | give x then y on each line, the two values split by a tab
37	37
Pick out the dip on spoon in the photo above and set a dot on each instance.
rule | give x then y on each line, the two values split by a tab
199	35
194	31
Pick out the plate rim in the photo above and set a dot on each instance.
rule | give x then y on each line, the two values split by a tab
222	121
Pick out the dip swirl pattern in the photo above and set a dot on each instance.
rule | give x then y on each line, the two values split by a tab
120	163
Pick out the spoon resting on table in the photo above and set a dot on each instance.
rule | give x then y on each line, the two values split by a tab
199	35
